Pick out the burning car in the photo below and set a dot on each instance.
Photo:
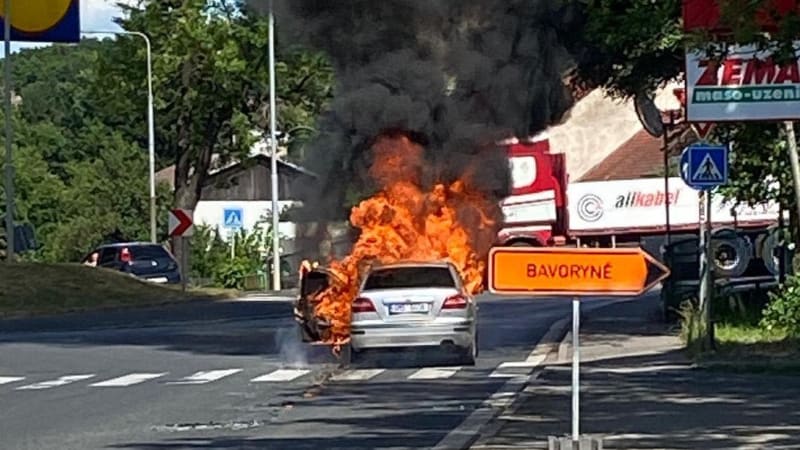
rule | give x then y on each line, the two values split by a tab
406	220
399	305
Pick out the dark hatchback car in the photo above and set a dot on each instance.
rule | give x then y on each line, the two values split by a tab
147	261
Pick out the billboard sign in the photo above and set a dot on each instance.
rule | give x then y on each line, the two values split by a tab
44	20
746	85
598	206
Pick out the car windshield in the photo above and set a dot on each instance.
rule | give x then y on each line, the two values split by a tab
410	277
148	252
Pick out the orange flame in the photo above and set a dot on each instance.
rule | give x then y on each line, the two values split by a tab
403	222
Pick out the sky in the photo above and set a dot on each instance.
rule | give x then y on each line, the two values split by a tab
96	15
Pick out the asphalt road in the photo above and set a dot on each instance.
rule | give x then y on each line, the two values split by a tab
234	375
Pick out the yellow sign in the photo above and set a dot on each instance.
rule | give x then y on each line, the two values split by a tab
43	20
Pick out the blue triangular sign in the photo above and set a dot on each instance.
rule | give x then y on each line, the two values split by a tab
707	170
233	218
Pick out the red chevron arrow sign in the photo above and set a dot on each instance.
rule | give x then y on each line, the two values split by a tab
180	222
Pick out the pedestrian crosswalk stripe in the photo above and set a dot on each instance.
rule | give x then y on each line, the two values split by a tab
128	380
6	380
204	377
56	383
281	375
357	374
432	373
501	373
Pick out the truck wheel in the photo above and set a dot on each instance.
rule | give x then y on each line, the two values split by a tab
769	253
730	254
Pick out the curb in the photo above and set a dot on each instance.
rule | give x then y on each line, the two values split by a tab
26	315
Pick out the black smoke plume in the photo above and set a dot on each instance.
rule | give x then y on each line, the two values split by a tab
455	75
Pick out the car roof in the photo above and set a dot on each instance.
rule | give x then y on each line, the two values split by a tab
404	264
128	244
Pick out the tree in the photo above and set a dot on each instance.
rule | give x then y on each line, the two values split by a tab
210	83
81	129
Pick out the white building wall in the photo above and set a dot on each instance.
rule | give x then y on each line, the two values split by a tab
211	213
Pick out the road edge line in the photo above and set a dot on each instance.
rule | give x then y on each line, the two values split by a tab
469	431
462	438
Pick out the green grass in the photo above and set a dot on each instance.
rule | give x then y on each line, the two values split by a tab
35	289
741	344
750	348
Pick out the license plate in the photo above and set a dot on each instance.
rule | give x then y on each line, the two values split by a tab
409	308
158	280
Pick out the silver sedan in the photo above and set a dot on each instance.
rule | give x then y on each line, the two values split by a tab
414	304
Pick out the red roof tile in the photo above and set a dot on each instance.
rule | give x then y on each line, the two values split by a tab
639	157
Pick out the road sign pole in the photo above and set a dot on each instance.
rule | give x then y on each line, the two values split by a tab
703	256
9	174
576	361
709	275
184	262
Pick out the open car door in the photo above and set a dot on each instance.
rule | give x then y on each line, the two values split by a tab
312	282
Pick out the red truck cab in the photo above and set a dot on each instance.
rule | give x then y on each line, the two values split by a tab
535	213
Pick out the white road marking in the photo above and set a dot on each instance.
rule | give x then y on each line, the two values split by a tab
128	380
56	383
281	375
498	373
432	373
6	380
531	362
206	376
357	375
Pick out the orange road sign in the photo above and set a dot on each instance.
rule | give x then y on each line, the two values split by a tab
573	271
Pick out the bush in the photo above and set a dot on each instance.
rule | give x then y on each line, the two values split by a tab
783	310
212	260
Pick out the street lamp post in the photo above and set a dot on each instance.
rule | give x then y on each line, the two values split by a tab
273	142
150	126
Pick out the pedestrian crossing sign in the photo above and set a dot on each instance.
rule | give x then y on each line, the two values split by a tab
232	218
705	166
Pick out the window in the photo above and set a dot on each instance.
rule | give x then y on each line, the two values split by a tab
523	171
140	252
410	277
107	256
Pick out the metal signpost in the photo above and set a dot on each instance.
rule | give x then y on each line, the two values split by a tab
9	173
573	273
181	226
232	220
704	167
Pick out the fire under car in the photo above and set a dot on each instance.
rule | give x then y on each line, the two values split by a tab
408	305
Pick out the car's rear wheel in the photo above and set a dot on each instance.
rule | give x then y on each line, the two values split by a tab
470	354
